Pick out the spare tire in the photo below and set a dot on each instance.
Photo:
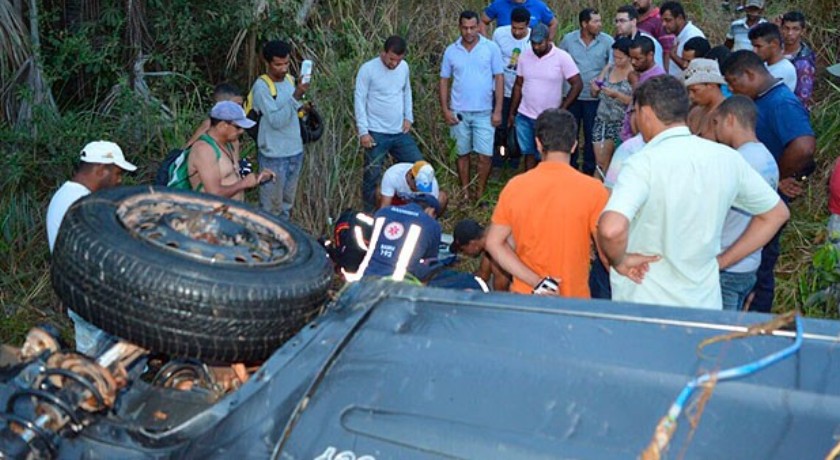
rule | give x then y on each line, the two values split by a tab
188	274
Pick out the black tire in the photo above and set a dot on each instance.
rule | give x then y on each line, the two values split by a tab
166	301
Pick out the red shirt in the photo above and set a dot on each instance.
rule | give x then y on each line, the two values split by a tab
834	189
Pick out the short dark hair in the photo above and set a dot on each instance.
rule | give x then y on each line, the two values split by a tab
520	15
631	12
276	48
675	8
585	15
699	45
741	60
622	44
467	14
395	44
766	31
226	89
666	96
557	130
719	53
794	16
643	43
742	107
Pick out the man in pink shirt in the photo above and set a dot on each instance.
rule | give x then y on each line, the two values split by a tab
540	74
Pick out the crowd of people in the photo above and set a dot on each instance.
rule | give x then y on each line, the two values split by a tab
689	152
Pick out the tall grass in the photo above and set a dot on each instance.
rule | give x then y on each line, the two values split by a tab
341	35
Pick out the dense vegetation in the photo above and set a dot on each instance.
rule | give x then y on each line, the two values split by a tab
140	73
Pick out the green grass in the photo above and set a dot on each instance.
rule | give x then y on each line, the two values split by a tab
341	35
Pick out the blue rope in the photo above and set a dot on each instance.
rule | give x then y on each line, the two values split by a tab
735	372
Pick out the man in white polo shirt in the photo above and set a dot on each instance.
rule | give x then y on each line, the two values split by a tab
475	64
661	229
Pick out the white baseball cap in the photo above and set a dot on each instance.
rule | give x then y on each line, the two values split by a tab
106	153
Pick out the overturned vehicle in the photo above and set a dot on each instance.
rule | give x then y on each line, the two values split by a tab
227	346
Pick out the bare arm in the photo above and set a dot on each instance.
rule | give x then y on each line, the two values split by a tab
502	252
613	232
515	99
576	84
798	155
482	25
552	28
206	166
385	201
761	230
205	125
443	92
499	94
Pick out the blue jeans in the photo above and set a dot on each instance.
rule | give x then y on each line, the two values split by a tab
599	280
90	340
584	112
278	196
525	135
735	287
402	148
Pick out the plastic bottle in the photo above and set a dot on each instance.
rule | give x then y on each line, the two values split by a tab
514	57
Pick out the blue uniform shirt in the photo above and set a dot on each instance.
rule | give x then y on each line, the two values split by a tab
389	244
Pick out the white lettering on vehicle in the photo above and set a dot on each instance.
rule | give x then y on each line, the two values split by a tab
332	454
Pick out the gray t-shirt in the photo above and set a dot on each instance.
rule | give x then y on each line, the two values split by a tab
279	126
736	221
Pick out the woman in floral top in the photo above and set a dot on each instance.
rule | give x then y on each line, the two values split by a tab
614	88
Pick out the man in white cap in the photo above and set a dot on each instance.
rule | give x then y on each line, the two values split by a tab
102	165
213	162
403	180
703	79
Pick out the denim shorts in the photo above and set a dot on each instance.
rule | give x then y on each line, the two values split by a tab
525	135
474	133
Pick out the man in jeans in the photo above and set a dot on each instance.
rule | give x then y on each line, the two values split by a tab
383	108
475	64
279	142
591	50
539	87
734	125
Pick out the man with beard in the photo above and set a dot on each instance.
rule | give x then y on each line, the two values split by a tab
590	48
674	22
649	20
384	115
626	25
641	58
539	87
474	107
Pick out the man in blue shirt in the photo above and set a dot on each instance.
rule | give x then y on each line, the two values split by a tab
500	10
405	240
473	64
784	128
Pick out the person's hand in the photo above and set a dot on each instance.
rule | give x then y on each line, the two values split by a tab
367	141
511	120
263	176
791	187
406	126
635	266
594	89
496	119
450	118
300	90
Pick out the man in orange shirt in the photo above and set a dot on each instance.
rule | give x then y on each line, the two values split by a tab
543	226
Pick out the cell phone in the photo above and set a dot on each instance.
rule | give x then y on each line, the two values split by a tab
306	71
547	285
599	83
